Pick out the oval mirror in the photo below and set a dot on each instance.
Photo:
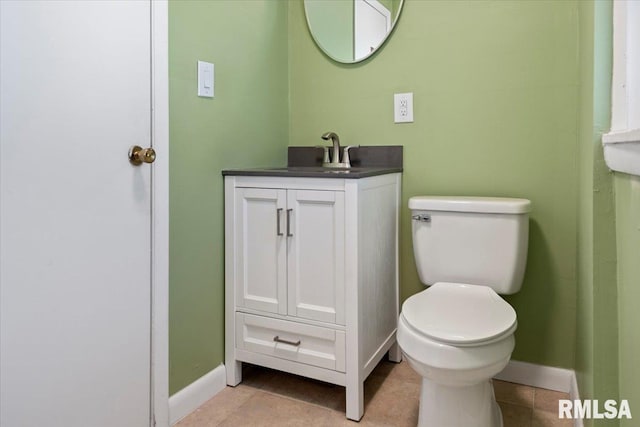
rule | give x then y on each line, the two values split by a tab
350	31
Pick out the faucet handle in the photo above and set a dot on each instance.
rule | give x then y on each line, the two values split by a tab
325	156
345	155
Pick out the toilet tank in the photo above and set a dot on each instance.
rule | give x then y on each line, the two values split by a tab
472	240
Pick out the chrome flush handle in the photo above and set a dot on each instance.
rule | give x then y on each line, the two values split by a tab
422	217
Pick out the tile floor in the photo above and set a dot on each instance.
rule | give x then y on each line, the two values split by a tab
271	398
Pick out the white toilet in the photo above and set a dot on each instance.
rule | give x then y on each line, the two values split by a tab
458	333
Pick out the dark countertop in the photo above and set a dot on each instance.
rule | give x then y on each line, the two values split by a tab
314	172
307	162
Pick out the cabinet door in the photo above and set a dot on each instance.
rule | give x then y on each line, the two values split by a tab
261	265
316	255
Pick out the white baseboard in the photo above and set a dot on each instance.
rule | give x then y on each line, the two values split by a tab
195	394
574	395
540	376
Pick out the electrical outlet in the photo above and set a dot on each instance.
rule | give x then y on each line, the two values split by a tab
403	107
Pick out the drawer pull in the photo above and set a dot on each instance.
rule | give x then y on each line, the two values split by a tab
278	339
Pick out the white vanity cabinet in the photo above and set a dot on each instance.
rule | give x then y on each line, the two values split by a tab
289	256
311	276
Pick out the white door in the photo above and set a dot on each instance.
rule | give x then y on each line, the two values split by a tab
372	22
75	246
261	265
316	255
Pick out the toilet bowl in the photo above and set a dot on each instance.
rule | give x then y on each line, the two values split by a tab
459	333
457	354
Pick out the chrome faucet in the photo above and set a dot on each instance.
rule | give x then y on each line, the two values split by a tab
335	160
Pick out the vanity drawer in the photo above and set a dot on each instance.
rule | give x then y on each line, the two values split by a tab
311	345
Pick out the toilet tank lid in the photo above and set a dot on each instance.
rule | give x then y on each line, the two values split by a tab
505	205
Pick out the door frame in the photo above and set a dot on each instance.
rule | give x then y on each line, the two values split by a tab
158	261
159	410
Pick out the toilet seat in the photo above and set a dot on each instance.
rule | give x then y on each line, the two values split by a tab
459	314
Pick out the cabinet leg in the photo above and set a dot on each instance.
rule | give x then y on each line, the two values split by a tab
395	355
234	373
355	401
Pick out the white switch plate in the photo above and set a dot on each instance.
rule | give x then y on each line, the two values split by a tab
403	107
205	79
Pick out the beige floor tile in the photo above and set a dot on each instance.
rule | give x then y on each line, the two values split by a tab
339	419
216	409
516	394
391	402
515	415
295	387
401	371
547	400
549	419
266	409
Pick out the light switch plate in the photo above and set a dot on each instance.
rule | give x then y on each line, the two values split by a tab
205	79
403	107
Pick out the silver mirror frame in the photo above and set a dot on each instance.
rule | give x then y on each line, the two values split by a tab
364	58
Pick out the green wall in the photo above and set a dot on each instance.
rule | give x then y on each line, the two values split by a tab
584	295
597	332
604	253
628	235
244	125
496	88
584	314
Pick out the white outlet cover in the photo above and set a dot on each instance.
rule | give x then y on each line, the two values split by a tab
403	107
